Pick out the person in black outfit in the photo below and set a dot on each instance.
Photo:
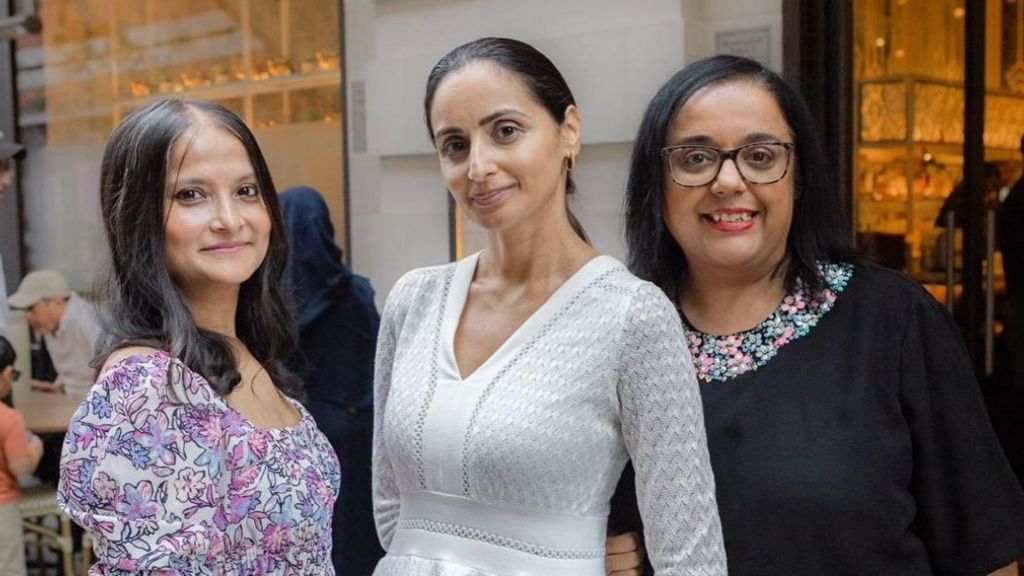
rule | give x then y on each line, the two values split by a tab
1010	404
338	324
845	424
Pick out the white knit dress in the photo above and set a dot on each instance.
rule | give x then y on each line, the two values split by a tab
510	470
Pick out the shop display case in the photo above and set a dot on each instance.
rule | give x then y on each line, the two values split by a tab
909	98
276	63
271	61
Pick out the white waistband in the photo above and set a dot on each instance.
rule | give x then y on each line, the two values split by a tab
498	540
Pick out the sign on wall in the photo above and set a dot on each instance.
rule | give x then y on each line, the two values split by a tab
753	43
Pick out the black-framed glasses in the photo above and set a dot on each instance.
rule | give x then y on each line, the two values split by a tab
758	163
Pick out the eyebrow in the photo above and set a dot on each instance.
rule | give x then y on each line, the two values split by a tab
251	176
483	121
704	140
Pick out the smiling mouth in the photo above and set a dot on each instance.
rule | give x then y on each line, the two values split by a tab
733	217
489	197
234	247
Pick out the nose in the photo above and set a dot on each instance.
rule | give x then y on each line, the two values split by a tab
226	215
481	162
728	179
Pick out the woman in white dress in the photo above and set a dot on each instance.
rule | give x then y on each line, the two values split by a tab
512	386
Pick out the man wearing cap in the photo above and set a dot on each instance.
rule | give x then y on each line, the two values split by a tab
8	152
68	324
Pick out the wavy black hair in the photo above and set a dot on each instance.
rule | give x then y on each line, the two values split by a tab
820	230
145	305
538	73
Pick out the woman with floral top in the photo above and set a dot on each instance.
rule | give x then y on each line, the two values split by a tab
187	457
845	425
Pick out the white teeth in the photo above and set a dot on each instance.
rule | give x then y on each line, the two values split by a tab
733	217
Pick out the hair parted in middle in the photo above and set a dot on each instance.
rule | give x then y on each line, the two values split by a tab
820	231
145	305
540	76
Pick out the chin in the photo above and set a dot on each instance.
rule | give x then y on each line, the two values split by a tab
228	277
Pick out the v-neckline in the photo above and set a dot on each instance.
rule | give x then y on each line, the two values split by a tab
458	292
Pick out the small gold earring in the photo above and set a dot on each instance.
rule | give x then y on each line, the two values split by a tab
571	162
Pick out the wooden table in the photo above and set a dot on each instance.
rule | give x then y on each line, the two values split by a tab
44	412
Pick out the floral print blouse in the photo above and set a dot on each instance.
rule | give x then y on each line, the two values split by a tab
730	355
169	480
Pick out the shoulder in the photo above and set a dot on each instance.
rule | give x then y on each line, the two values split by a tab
620	283
645	308
888	288
131	357
11	421
895	300
417	284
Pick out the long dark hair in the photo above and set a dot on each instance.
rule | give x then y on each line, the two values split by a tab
538	73
820	231
146	307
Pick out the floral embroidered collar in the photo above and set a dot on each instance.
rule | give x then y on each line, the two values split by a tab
729	356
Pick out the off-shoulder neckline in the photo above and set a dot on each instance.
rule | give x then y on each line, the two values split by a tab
164	355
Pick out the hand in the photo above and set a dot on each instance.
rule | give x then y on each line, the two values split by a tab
35	444
624	555
45	386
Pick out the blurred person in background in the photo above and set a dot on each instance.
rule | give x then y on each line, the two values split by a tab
1008	409
20	451
338	325
9	151
68	325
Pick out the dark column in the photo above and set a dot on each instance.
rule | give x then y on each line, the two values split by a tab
817	43
974	160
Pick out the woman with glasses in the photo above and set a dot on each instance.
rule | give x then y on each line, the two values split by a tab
512	386
845	425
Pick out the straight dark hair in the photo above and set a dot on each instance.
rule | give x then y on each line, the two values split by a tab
146	307
538	73
820	231
7	354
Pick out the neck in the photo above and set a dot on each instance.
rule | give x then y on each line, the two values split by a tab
215	309
725	302
545	248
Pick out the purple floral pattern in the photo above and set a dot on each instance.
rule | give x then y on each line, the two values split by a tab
169	480
730	355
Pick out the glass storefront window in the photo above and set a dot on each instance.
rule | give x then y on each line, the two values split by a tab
276	63
909	74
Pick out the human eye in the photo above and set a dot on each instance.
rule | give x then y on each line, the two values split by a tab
189	195
506	132
452	147
760	156
249	191
697	158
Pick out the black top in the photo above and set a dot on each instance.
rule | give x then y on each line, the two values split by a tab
1010	230
337	348
863	448
337	318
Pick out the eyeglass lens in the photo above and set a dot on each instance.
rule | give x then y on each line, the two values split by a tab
758	163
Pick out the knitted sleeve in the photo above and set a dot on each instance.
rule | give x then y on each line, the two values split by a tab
386	495
663	427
